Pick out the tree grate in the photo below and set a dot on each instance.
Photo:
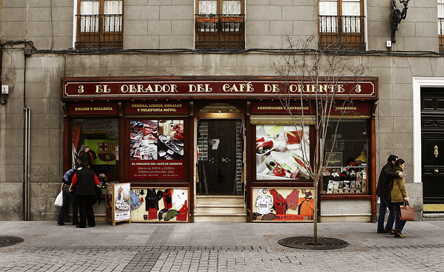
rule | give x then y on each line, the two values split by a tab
307	242
9	240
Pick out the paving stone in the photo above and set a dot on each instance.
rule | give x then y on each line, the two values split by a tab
45	250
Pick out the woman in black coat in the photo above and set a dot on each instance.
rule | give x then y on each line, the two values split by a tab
85	181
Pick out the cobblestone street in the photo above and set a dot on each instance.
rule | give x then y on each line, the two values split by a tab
218	247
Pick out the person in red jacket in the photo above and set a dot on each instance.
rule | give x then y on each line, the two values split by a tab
84	182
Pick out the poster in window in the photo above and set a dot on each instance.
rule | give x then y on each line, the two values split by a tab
282	152
159	205
282	204
156	149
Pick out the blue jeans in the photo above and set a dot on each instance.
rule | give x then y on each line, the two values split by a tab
382	210
68	196
399	225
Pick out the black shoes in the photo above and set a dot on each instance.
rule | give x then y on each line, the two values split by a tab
61	224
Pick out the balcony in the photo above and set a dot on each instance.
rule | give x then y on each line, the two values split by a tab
341	32
441	34
99	31
220	31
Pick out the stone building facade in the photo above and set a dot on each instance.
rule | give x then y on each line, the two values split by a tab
41	47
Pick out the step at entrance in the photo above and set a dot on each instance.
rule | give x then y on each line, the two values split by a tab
220	208
433	208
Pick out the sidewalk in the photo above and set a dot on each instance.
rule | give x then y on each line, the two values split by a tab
218	246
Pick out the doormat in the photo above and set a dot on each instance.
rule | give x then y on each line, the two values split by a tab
433	208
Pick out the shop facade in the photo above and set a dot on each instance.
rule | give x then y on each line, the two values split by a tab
176	139
164	44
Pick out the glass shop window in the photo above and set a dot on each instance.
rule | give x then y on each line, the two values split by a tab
97	142
156	150
347	168
282	152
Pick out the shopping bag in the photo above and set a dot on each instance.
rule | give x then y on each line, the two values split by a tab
406	212
59	199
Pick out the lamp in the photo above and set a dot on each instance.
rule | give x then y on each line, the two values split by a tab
397	16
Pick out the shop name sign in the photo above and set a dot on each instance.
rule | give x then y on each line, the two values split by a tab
163	108
72	89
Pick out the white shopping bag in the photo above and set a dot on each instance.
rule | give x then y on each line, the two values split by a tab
59	199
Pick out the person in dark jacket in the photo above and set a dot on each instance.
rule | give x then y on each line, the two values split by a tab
383	191
68	196
85	181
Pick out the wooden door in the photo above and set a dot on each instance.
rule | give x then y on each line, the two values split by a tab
432	130
220	168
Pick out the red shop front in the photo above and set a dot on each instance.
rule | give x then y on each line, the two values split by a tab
178	139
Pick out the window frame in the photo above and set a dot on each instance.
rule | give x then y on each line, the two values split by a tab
341	39
101	39
220	31
220	4
440	6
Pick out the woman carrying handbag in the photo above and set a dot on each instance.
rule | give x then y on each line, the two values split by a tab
399	196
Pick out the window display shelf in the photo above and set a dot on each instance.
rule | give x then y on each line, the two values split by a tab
345	180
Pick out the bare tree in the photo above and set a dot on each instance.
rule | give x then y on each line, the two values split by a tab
318	75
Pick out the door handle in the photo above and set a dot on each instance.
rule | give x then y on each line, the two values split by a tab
436	171
226	160
436	153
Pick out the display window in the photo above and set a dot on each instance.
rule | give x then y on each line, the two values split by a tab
347	168
282	152
156	149
96	141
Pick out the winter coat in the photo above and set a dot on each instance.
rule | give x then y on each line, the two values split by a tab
399	192
383	188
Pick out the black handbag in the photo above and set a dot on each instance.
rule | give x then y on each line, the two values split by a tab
406	212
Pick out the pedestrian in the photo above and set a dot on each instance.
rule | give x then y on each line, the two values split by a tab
398	196
67	195
84	182
383	191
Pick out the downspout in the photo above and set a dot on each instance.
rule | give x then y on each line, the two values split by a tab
27	160
26	151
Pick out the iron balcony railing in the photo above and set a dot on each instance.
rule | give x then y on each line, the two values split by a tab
341	32
99	31
441	34
220	31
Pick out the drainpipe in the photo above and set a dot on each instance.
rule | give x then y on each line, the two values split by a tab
27	148
27	165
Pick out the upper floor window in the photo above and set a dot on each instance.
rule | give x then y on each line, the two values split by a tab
220	24
341	24
441	24
99	24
